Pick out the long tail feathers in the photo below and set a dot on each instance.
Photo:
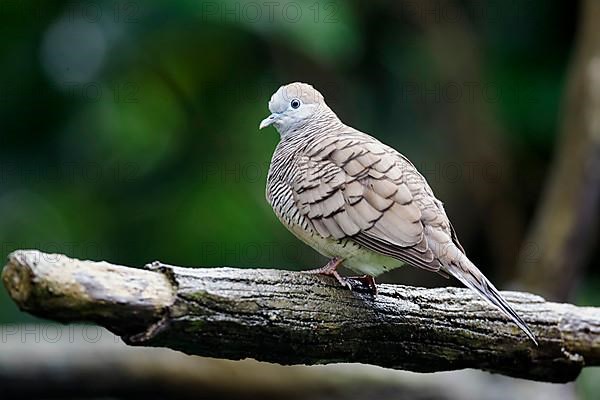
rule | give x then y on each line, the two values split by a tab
471	277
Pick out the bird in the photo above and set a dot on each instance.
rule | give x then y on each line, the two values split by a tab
358	201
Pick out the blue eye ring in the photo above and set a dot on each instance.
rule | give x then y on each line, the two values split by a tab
295	103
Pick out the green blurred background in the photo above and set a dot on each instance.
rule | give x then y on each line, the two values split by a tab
129	129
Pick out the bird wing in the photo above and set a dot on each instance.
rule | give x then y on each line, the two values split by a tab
352	186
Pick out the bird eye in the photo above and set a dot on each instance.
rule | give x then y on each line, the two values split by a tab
295	103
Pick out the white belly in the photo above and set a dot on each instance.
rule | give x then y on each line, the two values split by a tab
356	257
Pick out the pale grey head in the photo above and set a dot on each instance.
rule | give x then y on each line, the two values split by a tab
294	106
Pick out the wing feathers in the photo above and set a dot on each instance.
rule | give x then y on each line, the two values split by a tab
356	187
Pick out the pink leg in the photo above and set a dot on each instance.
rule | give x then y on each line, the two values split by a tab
330	269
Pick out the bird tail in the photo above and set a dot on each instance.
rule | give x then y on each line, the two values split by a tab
473	278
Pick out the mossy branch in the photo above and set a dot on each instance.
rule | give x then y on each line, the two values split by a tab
292	318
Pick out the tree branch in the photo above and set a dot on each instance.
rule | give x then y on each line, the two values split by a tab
76	368
292	318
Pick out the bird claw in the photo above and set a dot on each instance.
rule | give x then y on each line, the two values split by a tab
330	269
365	282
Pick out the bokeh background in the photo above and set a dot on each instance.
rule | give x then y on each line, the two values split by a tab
129	129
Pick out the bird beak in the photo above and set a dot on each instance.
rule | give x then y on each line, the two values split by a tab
268	121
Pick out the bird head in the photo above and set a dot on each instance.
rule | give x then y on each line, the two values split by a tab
293	106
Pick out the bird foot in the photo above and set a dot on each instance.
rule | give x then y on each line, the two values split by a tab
365	282
330	269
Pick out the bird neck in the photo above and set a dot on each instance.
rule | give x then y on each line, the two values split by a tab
322	121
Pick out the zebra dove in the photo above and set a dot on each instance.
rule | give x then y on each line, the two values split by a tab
358	201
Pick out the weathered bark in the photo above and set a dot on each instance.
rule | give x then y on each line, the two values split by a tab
293	318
